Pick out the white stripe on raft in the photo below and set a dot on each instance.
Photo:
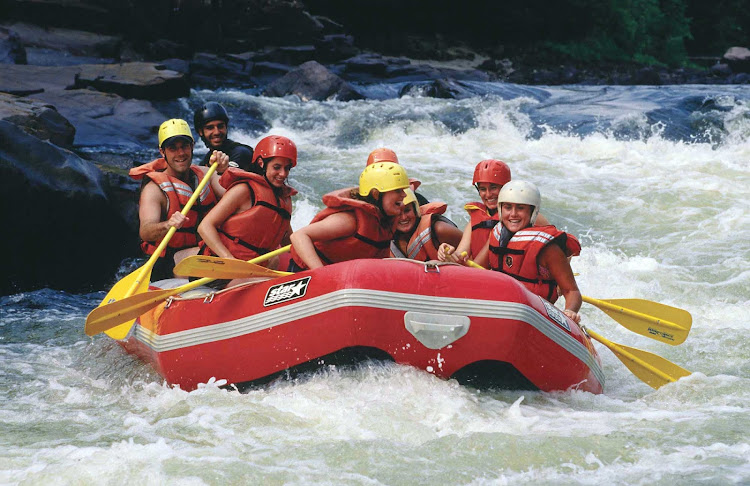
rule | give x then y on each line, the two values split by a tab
374	299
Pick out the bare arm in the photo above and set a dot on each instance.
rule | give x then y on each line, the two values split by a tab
337	225
285	240
449	252
541	220
235	200
151	207
483	258
447	233
554	260
223	160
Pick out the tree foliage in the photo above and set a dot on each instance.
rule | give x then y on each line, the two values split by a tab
641	31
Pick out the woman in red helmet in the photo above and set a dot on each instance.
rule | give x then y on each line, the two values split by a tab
489	177
254	215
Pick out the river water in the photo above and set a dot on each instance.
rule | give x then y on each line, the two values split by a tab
654	181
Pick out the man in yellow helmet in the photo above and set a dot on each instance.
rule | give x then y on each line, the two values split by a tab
168	183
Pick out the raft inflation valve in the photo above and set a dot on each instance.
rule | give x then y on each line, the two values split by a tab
436	331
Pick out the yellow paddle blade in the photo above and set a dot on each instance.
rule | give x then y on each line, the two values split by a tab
119	291
650	368
122	312
139	280
110	318
661	322
215	267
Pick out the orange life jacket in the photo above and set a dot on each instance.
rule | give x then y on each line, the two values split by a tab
422	244
370	240
178	193
481	225
518	258
258	230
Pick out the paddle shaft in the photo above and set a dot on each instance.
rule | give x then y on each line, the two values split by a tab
146	269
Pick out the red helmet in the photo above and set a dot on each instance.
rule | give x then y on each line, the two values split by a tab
276	146
493	171
382	155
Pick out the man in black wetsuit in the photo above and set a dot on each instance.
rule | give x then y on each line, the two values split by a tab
211	122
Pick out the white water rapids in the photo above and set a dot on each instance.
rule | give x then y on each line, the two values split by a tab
654	181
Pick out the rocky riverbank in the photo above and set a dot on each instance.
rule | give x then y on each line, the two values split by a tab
65	92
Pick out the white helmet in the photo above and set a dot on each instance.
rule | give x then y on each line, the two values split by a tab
521	192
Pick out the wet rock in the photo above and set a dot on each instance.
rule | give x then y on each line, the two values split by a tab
73	42
106	119
24	79
141	80
176	65
647	76
312	81
372	64
11	47
739	78
214	70
57	205
37	119
335	47
270	69
720	69
162	49
441	88
738	59
292	55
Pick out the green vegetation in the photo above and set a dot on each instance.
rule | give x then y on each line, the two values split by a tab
641	31
665	32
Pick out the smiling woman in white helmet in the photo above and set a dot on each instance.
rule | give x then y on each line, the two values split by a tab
537	256
490	176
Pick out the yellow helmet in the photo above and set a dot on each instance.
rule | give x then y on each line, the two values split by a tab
174	128
411	198
383	176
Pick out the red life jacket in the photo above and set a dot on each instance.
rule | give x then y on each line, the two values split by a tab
519	257
370	240
421	244
261	228
178	193
481	225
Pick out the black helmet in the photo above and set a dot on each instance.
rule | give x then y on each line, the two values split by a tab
209	112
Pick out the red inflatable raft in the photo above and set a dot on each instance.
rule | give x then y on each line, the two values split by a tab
481	328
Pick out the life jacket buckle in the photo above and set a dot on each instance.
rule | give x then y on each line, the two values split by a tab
209	298
169	302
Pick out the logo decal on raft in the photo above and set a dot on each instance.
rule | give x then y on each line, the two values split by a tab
286	291
556	315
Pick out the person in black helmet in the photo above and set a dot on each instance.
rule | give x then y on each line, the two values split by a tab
211	122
